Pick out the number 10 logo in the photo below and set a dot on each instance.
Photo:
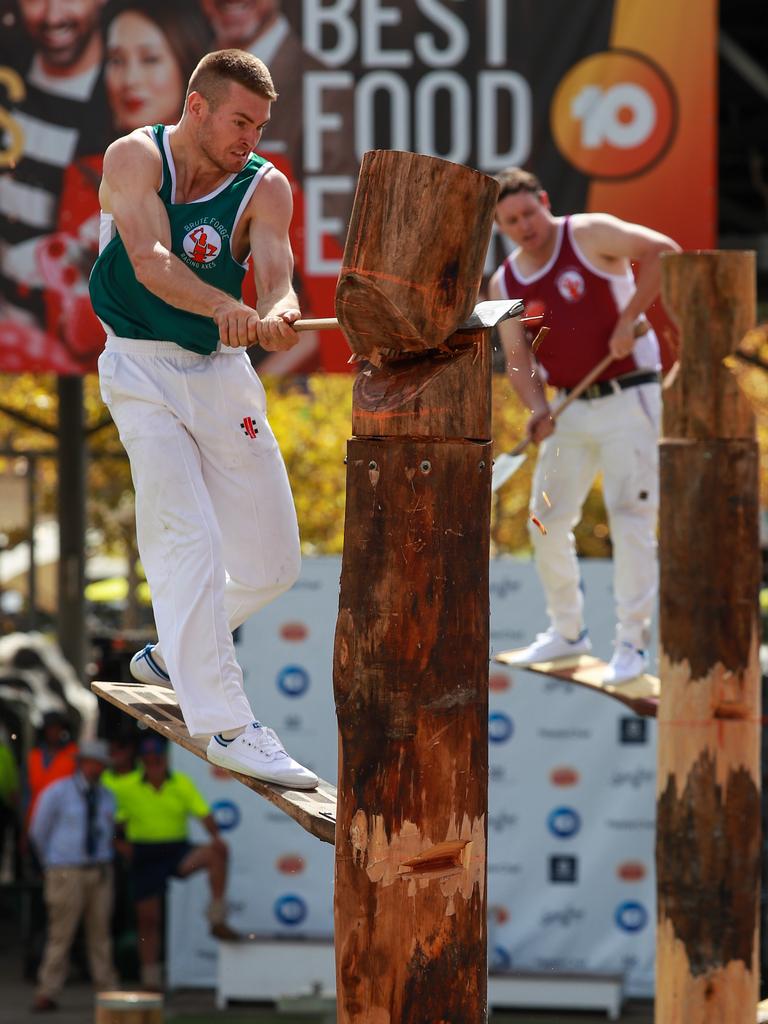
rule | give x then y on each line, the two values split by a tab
614	114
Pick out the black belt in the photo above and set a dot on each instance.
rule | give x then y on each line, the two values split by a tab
610	387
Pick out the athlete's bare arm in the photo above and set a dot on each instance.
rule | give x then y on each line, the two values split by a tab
611	244
132	173
268	219
522	370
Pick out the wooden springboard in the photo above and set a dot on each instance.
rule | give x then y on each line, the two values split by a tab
640	694
158	708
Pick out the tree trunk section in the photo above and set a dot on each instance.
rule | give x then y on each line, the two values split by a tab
415	252
411	687
708	812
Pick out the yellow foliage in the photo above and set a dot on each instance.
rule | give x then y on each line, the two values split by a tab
753	381
311	418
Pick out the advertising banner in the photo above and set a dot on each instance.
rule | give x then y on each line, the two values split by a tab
571	885
611	102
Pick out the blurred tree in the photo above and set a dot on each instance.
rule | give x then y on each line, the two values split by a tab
311	418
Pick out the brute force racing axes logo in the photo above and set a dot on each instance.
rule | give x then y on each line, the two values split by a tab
202	244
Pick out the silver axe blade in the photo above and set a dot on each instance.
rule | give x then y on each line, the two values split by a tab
492	312
485	314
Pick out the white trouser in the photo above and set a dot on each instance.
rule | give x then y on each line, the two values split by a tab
618	436
215	520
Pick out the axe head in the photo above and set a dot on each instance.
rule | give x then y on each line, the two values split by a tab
488	314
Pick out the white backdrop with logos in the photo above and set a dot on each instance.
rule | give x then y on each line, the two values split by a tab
571	803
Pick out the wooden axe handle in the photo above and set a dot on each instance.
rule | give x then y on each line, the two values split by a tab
326	324
641	327
580	388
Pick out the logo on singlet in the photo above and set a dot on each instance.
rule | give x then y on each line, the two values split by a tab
571	285
202	244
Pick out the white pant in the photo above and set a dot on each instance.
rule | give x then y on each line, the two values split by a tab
618	435
215	520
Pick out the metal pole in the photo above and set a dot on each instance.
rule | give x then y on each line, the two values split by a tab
32	520
71	508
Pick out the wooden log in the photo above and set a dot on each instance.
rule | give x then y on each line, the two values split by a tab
415	251
411	689
708	811
417	397
129	1008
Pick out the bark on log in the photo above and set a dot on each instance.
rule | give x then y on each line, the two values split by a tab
411	687
415	251
708	813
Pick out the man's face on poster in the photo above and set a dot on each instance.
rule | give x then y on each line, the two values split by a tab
60	29
239	22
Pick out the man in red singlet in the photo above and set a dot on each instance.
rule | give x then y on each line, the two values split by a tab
576	271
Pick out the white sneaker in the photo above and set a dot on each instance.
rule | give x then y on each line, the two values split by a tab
550	646
628	662
146	668
258	752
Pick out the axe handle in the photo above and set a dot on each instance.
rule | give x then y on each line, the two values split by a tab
326	324
640	328
580	388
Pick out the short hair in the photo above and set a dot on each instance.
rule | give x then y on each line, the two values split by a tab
514	179
216	70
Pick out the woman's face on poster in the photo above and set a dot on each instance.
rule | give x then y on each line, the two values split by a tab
143	79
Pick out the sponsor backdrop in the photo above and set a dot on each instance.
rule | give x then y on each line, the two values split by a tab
571	817
611	102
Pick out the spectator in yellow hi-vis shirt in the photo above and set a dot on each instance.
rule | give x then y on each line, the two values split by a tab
153	811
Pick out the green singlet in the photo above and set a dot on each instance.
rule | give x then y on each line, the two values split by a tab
201	233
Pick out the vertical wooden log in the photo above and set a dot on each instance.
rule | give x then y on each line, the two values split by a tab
708	812
415	251
411	686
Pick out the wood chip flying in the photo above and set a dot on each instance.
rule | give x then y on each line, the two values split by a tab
543	332
538	523
547	502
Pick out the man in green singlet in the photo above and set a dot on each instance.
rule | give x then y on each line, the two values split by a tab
183	206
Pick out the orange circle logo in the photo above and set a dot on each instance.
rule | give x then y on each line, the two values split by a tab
498	682
294	632
631	871
564	776
614	114
290	864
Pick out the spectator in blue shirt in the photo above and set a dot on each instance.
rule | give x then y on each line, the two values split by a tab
72	831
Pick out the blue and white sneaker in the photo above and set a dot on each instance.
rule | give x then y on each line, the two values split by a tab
628	662
258	753
549	646
146	668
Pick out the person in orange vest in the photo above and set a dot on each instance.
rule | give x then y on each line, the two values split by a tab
53	757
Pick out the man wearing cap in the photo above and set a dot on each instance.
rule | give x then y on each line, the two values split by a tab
72	830
154	808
